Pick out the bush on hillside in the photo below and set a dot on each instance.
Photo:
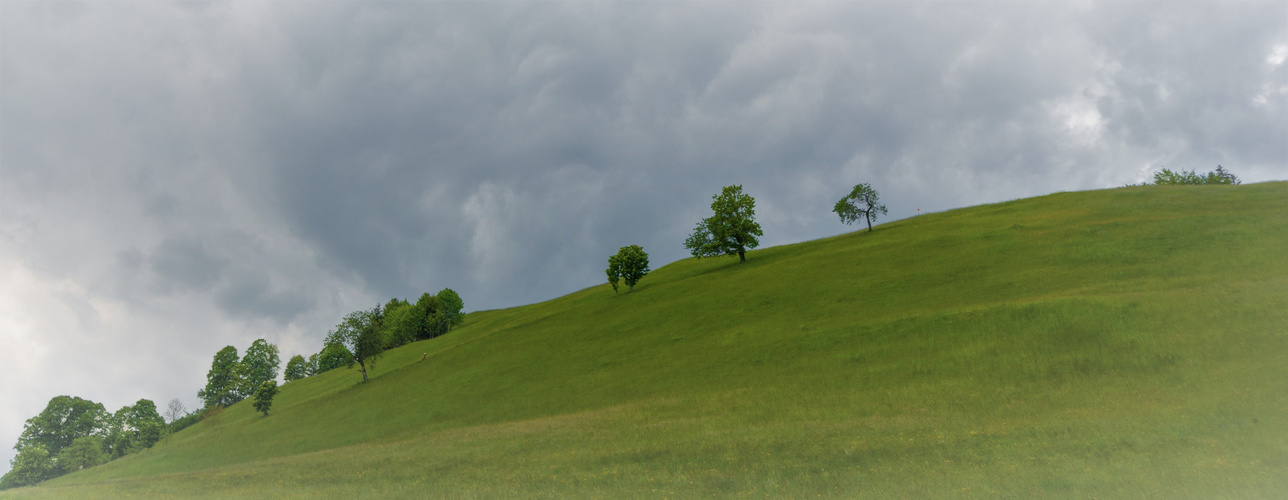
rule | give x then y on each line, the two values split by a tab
186	421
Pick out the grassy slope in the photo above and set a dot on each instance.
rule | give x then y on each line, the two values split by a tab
1119	343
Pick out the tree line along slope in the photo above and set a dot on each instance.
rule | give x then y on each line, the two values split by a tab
1117	343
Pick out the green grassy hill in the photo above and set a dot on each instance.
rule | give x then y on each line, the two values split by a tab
1123	343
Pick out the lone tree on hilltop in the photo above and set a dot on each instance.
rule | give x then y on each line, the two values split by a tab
359	334
630	264
732	230
264	396
863	202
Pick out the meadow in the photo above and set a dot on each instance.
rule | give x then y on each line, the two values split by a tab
1123	343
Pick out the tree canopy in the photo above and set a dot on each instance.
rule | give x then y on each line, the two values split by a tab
862	202
630	264
732	228
73	433
264	396
451	307
133	428
332	356
297	368
223	379
259	364
64	419
359	333
1167	177
32	465
84	452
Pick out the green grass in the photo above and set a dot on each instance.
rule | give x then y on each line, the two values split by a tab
1124	343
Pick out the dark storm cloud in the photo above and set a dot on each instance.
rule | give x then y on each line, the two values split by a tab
179	177
186	263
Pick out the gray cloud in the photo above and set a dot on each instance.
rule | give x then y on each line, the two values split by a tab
179	177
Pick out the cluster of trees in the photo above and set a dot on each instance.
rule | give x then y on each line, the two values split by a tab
232	378
363	336
732	230
73	434
360	338
1190	178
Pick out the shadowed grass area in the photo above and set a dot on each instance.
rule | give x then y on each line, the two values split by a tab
1123	343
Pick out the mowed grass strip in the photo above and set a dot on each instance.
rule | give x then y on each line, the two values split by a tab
1119	343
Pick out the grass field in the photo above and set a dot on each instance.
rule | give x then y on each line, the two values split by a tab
1124	343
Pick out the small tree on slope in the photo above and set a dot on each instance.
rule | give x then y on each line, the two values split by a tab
359	334
630	264
264	396
862	202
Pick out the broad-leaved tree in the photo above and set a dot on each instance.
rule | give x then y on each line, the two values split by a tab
862	202
630	265
731	230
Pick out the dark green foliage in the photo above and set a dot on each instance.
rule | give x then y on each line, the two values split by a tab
429	317
186	421
264	396
64	419
1225	176
425	318
360	333
32	465
311	366
398	327
297	368
259	364
630	264
134	428
333	356
862	202
84	452
223	379
1190	178
451	306
731	230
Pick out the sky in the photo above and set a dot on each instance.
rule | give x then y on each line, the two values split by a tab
179	177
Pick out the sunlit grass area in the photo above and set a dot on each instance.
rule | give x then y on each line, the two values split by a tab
1123	343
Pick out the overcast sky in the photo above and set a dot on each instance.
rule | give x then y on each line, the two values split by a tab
179	177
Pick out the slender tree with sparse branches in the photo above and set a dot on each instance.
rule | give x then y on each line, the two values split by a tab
862	202
360	337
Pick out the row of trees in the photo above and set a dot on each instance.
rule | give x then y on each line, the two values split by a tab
73	434
1167	177
363	336
732	230
359	338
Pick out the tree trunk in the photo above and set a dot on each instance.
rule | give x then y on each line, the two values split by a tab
364	371
742	257
869	219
